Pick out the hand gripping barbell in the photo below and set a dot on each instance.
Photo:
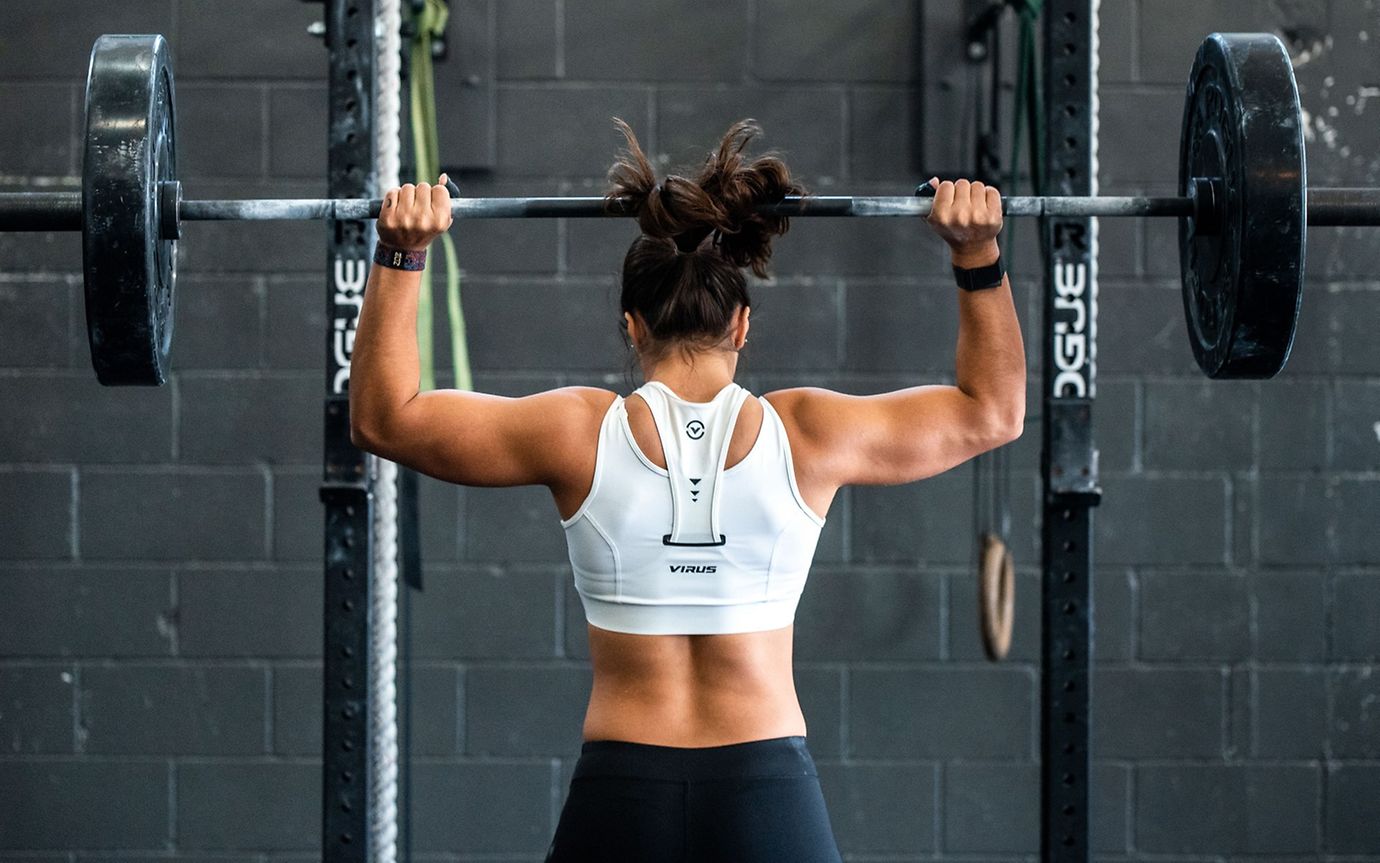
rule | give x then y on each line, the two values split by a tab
1243	209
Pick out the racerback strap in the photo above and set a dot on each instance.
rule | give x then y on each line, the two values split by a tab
694	438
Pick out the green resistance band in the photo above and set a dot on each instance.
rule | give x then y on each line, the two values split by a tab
1026	105
431	22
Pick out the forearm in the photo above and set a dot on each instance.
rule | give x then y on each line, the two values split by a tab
385	370
990	357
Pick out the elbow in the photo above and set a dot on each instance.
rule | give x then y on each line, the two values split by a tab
368	433
381	431
1006	422
362	426
373	422
361	436
1011	432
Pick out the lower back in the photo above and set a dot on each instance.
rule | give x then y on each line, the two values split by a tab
692	690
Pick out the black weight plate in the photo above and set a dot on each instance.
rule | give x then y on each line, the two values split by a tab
129	268
1242	283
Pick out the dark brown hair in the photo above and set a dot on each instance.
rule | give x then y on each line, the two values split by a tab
684	274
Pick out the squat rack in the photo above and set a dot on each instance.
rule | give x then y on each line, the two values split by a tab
1069	471
1068	460
346	742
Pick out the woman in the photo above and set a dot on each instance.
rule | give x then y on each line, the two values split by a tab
691	509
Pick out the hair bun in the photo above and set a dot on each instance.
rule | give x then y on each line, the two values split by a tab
740	185
721	201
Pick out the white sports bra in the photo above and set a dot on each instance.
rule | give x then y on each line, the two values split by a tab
693	548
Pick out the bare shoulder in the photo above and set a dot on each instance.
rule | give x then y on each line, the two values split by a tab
558	430
807	410
794	398
570	406
815	420
578	398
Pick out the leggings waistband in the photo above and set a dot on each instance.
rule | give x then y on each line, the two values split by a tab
777	756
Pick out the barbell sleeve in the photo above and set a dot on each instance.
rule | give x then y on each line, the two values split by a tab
1344	206
40	211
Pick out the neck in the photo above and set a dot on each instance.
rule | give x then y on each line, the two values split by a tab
697	377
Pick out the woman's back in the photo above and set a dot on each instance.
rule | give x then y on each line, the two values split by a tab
691	643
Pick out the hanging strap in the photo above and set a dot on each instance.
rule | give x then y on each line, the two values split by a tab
694	438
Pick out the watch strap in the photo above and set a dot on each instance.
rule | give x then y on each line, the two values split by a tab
980	278
400	259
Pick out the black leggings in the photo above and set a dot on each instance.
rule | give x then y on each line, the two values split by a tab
746	803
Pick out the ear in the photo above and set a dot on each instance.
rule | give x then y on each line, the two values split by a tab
632	329
741	325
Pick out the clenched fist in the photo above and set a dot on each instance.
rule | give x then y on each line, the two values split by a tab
413	216
968	217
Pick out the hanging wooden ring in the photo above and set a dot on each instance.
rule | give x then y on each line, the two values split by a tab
996	596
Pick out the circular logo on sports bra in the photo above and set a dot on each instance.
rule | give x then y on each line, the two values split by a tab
695	429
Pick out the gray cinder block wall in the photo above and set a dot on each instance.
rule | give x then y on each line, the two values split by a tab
160	584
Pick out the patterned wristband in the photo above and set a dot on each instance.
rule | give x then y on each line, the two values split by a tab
399	259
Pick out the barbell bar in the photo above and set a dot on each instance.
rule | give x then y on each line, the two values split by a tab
1243	211
62	211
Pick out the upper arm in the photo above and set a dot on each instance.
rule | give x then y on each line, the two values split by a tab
487	440
885	439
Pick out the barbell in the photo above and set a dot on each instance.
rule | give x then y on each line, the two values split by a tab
1243	210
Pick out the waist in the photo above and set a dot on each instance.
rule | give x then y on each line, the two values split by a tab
656	618
778	756
692	690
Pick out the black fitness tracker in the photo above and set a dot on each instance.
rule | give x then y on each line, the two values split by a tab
980	278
